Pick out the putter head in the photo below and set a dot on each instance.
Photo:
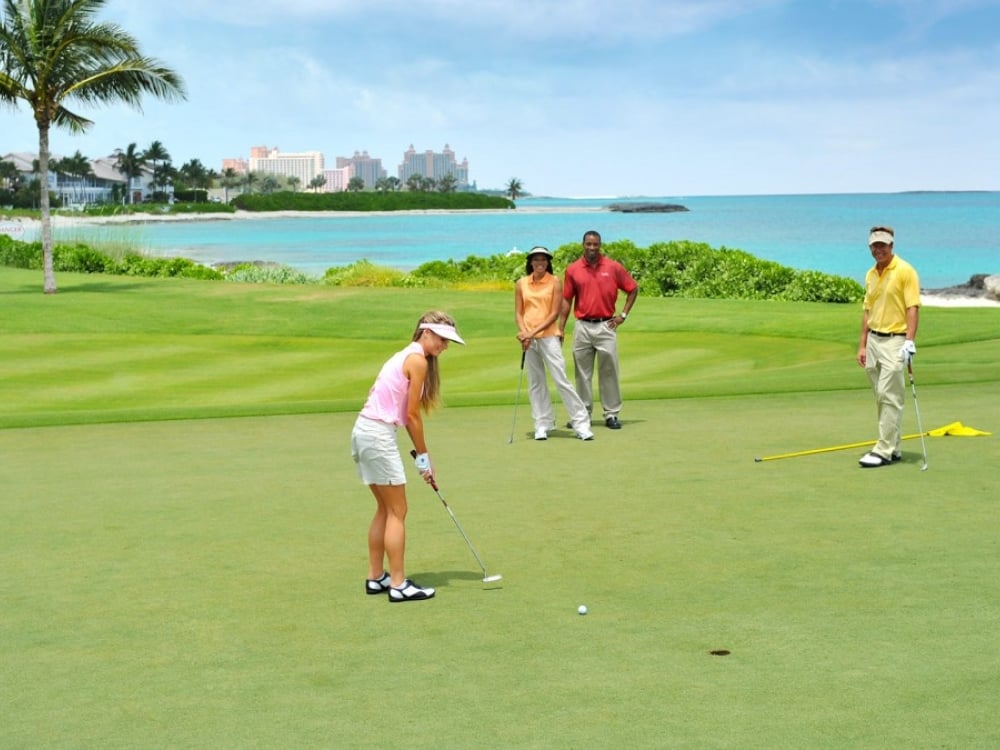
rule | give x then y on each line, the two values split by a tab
493	578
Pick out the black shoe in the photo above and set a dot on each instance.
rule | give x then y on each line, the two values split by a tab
612	423
897	457
375	586
409	592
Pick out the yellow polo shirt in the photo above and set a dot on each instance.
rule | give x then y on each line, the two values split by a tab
887	295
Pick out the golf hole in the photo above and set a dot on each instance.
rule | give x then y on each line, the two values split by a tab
720	652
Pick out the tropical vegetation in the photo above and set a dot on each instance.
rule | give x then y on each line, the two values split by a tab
665	269
54	53
367	201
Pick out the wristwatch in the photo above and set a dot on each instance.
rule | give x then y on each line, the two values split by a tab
623	315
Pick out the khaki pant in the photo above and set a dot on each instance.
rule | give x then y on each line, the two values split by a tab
597	341
547	353
885	372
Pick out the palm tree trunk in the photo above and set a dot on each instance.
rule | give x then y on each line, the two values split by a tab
43	170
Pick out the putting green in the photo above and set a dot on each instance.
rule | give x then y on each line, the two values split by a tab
199	583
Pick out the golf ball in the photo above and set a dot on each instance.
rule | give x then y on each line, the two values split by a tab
582	609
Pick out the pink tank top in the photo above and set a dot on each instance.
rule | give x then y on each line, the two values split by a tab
387	398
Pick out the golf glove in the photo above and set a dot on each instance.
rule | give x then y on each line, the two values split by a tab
907	352
423	462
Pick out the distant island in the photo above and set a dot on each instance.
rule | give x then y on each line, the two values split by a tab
646	208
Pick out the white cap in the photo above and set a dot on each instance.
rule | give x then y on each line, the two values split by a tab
444	330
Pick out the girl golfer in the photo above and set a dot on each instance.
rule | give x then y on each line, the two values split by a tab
407	383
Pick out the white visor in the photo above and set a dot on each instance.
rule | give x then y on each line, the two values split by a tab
444	330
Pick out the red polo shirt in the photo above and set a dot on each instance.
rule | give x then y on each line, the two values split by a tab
596	287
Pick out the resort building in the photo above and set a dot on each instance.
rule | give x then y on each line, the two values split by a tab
310	164
364	166
337	179
101	184
305	166
238	165
434	165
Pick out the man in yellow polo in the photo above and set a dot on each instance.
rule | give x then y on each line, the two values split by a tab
891	311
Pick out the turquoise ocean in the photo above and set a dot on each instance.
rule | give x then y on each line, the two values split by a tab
948	236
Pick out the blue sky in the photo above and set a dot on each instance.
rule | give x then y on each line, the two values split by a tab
580	97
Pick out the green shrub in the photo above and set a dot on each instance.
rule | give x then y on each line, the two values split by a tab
195	195
367	201
813	286
18	254
202	208
267	273
364	273
80	258
664	269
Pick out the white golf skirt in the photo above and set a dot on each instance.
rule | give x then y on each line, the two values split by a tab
375	452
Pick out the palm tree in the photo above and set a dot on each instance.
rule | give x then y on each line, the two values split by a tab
195	175
155	153
55	52
230	178
356	184
514	188
9	176
269	184
293	183
317	182
447	184
249	180
131	165
78	167
163	177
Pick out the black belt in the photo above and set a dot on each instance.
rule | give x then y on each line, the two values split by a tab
885	335
596	320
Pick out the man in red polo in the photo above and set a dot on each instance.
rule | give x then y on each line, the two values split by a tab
591	286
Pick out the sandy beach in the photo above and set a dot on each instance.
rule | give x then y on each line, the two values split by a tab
938	299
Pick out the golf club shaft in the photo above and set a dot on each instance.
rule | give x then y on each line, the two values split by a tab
517	399
916	408
462	532
457	524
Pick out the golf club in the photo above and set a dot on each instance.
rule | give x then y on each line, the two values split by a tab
486	578
916	407
517	399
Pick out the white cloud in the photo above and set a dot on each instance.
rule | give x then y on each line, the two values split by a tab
580	96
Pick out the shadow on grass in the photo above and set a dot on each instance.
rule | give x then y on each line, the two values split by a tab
441	578
101	287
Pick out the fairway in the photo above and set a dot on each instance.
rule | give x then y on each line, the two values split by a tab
197	582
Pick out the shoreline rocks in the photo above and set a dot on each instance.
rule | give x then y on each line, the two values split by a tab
980	285
646	208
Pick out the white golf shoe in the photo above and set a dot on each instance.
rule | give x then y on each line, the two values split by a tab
409	592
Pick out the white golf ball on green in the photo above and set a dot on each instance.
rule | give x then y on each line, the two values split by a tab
582	609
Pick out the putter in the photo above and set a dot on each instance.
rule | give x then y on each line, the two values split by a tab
486	577
916	407
517	399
